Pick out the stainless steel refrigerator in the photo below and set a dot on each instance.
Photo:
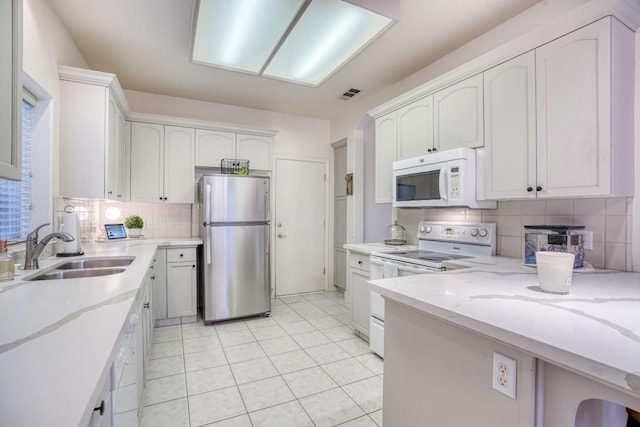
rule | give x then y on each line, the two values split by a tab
235	227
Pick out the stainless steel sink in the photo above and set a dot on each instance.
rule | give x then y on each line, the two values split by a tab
76	274
116	261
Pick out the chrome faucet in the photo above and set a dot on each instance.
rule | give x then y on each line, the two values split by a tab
35	248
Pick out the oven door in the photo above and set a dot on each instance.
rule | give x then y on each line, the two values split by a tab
380	268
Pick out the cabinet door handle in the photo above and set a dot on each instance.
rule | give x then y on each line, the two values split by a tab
359	262
100	408
153	277
160	197
529	189
165	198
194	266
146	305
181	255
538	188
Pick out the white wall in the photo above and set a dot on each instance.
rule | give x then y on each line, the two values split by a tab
46	43
297	136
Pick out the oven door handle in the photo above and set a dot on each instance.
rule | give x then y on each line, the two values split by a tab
401	267
414	270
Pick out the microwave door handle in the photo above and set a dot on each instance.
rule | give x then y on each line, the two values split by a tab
443	184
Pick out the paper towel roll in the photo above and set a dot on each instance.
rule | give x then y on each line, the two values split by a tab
71	225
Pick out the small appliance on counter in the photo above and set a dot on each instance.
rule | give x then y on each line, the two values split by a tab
554	238
71	225
396	234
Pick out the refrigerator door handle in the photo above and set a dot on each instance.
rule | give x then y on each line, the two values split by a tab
207	204
207	246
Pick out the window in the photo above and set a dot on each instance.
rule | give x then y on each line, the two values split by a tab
15	196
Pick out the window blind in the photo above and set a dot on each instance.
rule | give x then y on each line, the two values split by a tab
15	196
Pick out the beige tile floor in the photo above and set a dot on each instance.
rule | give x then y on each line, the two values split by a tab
302	366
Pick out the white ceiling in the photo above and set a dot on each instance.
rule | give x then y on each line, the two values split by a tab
147	43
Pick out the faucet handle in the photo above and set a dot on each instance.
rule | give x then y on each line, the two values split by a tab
33	236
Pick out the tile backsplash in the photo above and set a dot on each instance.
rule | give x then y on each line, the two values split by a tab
608	218
160	219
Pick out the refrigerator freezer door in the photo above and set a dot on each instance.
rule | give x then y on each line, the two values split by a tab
236	272
234	198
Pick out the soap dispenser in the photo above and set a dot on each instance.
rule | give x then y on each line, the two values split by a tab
7	264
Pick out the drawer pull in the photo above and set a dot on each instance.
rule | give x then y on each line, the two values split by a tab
100	408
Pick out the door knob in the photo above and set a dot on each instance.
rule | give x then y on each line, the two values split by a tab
280	235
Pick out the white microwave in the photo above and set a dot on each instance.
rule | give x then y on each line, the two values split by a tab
442	179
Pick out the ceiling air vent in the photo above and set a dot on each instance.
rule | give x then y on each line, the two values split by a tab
349	94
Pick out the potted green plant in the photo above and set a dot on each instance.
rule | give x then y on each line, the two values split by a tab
134	225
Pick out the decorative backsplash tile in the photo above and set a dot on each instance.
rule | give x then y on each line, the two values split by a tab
160	219
608	218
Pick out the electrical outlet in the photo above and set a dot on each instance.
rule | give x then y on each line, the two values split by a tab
504	375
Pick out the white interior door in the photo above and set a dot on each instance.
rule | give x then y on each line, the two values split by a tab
299	226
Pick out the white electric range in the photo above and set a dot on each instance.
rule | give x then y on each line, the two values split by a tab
437	242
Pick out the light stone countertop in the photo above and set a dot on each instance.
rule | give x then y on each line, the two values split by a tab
593	331
367	248
58	337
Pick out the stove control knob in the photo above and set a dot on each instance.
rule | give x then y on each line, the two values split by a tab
474	232
428	229
483	232
422	229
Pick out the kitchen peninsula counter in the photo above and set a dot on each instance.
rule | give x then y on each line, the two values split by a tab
594	331
58	337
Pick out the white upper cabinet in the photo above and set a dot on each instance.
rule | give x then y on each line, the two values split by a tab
179	168
557	120
386	142
162	165
212	146
584	84
415	128
256	149
91	135
11	89
458	115
509	128
147	162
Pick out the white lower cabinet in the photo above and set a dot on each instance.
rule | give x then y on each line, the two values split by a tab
357	286
181	282
131	358
102	415
175	285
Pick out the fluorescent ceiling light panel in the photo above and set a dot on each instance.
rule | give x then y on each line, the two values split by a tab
303	41
329	33
241	34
